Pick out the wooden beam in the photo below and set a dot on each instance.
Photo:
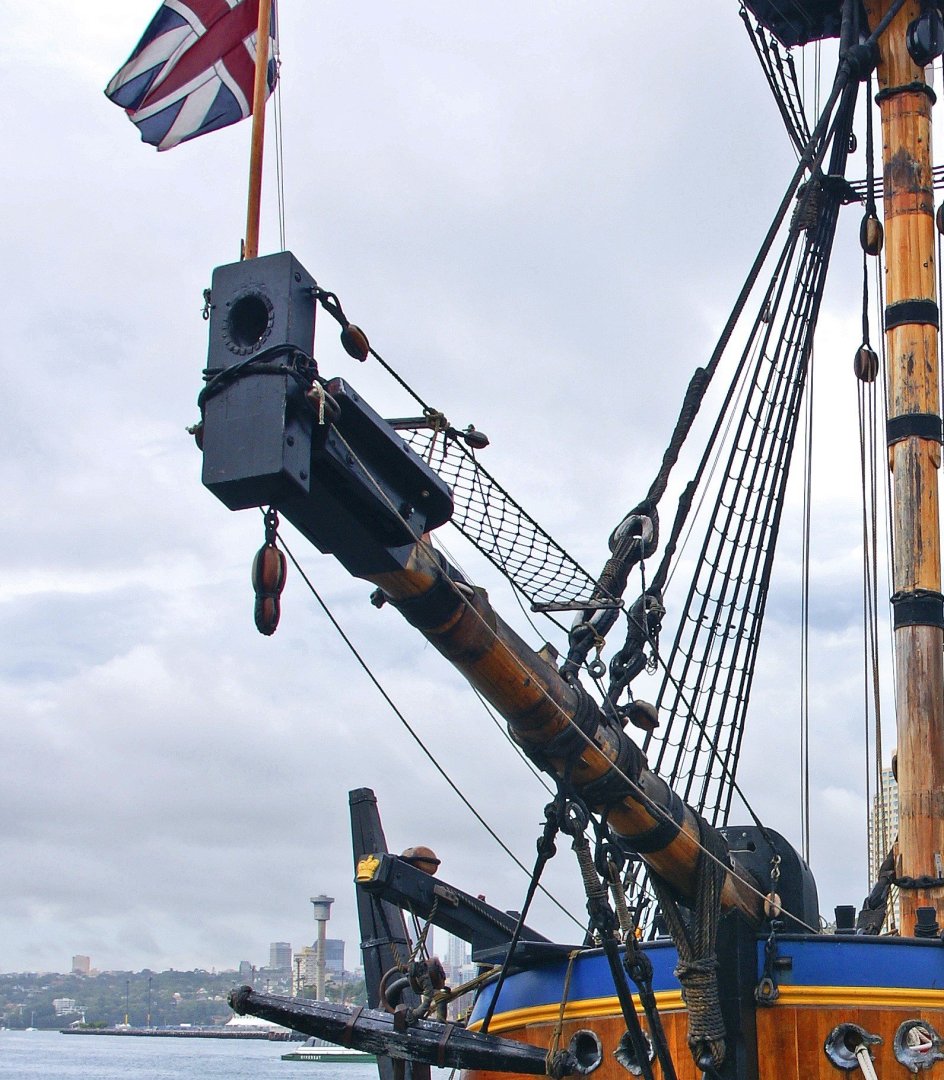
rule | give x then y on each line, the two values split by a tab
913	366
259	95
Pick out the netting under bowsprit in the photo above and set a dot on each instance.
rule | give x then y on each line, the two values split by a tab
504	533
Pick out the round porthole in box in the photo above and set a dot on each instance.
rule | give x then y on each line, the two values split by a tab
248	322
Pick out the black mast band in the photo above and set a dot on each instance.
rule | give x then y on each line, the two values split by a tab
906	88
919	425
910	312
919	607
661	835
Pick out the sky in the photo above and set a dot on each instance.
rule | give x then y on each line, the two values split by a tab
540	216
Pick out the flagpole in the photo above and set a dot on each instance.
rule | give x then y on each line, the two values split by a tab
251	243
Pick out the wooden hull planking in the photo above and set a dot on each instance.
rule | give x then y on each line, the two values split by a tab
876	983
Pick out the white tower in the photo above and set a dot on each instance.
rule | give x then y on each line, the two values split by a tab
322	905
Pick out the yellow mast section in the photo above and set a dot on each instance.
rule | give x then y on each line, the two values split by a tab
914	456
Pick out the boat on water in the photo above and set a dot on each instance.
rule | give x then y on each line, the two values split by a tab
704	951
320	1051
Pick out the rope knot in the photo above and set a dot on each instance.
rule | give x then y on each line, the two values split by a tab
699	979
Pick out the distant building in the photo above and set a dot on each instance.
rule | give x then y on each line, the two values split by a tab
883	831
459	970
246	973
81	965
280	956
306	967
457	956
334	956
64	1006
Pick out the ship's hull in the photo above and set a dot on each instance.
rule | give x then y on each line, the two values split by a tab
822	982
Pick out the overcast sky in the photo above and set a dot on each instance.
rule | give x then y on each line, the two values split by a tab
540	214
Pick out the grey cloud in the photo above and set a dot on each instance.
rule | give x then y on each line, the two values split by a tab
534	220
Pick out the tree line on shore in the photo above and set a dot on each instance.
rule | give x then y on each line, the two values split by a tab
140	998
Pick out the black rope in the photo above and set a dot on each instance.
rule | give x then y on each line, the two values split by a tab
811	159
299	366
415	736
573	821
723	765
546	851
727	599
781	78
330	302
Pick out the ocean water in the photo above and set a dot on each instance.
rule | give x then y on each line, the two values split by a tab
47	1055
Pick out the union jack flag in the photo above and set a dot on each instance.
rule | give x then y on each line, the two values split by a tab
193	70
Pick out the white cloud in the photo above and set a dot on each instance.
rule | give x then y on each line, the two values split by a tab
540	224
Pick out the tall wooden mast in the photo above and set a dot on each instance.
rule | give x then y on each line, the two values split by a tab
911	330
259	95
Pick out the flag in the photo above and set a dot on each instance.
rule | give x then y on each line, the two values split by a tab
193	70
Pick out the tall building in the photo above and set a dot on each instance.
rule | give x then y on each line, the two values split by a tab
280	956
883	830
247	972
306	968
81	965
334	955
457	956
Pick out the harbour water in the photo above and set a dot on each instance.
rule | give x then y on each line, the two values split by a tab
47	1055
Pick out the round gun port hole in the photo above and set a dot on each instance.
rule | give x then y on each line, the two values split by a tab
843	1042
917	1045
248	321
587	1051
625	1053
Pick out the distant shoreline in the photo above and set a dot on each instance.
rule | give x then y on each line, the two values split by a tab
186	1033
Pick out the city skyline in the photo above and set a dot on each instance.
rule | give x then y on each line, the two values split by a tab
455	957
335	948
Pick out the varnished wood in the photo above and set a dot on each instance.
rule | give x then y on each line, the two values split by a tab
790	1040
913	388
259	94
539	705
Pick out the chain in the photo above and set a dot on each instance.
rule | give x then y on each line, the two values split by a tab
767	991
573	821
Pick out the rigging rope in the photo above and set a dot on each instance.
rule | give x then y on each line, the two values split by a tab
484	512
652	807
876	828
805	624
780	71
716	642
414	734
625	554
279	151
811	158
697	968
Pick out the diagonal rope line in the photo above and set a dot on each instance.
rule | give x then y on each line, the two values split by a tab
414	734
642	796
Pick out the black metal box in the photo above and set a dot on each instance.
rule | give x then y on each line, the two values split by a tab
257	428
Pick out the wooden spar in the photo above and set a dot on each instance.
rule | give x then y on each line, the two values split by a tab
540	706
259	94
375	1031
914	460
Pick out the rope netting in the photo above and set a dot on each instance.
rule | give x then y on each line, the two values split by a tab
710	668
501	530
779	69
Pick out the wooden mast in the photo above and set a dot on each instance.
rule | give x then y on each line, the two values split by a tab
911	322
260	88
542	712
